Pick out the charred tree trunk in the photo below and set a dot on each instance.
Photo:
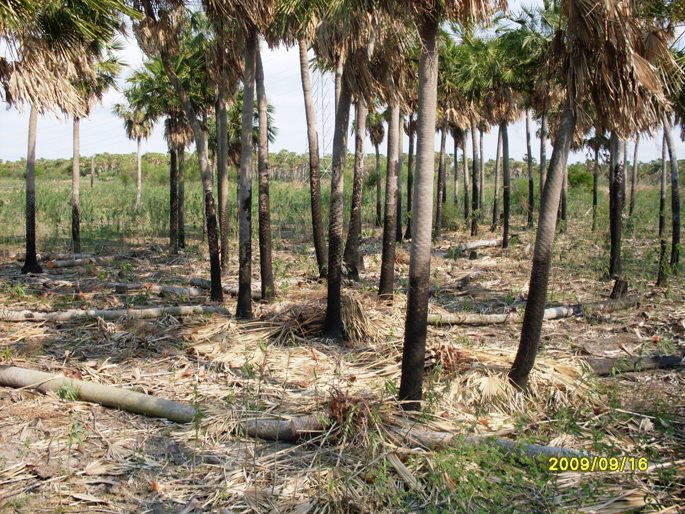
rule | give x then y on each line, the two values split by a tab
441	184
415	328
506	183
314	168
475	186
379	208
616	190
410	177
633	176
544	134
139	174
675	195
456	170
542	256
352	256
400	162
265	259
465	165
333	327
181	160
173	200
595	189
495	202
481	177
31	260
222	165
387	280
662	188
531	182
75	189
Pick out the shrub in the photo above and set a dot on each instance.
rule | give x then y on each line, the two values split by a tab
579	176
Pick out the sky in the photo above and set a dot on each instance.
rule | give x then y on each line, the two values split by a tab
103	131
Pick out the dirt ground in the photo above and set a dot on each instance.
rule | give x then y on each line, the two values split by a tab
57	454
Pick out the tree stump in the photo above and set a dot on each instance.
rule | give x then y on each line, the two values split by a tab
620	289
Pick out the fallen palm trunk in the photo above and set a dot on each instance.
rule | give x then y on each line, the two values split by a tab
109	314
203	283
474	245
604	366
297	427
44	257
84	261
161	290
559	312
106	395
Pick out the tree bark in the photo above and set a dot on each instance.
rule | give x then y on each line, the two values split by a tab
222	168
633	176
106	395
481	175
456	170
544	134
612	365
616	189
75	189
173	200
415	328
441	184
465	165
542	254
333	327
506	183
475	186
139	174
387	280
109	314
244	307
662	187
31	260
379	194
410	177
595	189
265	247
400	158
314	169
495	202
180	162
675	195
339	67
352	256
531	182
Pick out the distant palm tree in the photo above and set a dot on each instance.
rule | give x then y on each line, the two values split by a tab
375	126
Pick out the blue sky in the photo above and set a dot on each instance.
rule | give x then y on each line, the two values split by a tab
103	132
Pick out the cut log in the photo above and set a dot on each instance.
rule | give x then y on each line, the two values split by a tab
84	261
203	283
44	257
475	245
106	395
161	290
294	428
604	366
568	311
109	314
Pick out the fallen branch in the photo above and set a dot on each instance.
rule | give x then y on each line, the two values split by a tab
474	245
295	428
604	366
203	283
568	311
109	314
83	261
106	395
161	290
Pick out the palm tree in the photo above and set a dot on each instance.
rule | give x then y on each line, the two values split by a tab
592	32
376	128
138	126
410	130
633	176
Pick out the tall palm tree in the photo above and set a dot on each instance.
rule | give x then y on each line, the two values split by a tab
626	91
376	129
410	130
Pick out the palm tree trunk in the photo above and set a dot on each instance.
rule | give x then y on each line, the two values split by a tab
616	190
662	187
633	176
222	165
173	200
506	183
387	281
675	195
441	184
181	159
531	183
465	165
495	202
75	189
414	350
410	178
379	194
333	327
265	259
456	170
314	169
31	260
595	189
400	163
139	174
339	66
244	307
563	205
542	254
92	170
475	195
352	257
544	134
481	177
